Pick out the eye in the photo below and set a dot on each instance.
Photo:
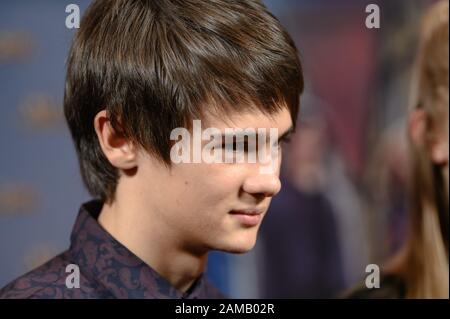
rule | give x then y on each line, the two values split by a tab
230	147
234	146
284	141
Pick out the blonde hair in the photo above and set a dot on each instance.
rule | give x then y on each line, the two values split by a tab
424	263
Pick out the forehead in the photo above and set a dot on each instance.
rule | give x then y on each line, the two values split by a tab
250	119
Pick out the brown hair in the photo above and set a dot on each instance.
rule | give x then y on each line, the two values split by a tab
155	65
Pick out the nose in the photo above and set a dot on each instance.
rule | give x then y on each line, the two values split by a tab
267	184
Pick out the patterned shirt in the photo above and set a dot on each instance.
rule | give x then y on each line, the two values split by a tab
107	269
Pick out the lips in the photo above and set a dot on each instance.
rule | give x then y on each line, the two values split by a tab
247	212
248	217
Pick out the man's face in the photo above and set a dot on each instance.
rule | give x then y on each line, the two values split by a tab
216	206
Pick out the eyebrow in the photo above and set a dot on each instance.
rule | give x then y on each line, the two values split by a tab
288	132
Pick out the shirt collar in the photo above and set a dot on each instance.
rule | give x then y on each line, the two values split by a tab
103	259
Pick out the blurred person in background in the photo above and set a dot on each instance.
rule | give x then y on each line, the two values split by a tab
387	179
420	270
300	247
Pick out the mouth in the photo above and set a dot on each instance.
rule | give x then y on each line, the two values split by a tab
248	217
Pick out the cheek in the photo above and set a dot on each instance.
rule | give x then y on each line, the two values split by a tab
209	184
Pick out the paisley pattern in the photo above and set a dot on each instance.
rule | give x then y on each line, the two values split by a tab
107	270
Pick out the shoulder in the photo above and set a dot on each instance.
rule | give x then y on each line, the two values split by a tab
48	281
391	287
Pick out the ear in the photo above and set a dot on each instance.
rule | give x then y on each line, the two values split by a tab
439	148
117	149
417	127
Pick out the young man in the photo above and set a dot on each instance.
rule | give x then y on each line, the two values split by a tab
137	70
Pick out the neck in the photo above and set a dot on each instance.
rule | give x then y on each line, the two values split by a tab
159	247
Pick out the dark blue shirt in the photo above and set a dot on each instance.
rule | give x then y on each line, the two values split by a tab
107	269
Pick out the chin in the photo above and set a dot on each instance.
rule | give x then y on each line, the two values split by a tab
238	244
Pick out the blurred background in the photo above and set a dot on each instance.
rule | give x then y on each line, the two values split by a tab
343	201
